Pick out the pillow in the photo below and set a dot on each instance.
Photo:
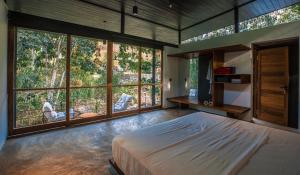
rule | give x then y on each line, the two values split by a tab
47	107
122	98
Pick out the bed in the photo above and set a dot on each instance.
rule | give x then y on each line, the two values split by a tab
202	143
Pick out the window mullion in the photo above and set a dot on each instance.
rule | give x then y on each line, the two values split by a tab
139	78
68	62
109	78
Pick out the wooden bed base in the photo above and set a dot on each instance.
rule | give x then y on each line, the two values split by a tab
114	169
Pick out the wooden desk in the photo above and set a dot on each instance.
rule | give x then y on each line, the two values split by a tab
231	110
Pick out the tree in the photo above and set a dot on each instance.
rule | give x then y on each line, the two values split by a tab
41	63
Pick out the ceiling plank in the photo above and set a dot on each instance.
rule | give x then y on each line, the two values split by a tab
127	14
220	14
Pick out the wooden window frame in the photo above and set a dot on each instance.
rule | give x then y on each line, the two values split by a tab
14	132
160	84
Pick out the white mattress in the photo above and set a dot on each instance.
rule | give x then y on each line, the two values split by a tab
202	143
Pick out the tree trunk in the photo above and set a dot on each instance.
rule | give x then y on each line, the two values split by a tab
55	66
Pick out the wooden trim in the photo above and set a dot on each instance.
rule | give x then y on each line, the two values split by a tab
121	85
39	89
126	113
109	78
161	76
88	87
153	76
88	119
38	128
148	109
10	76
139	78
150	84
68	73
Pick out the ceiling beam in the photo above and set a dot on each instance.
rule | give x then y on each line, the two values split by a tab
122	17
236	20
215	16
179	37
128	14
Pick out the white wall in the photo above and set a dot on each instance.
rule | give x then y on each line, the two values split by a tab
170	71
3	73
240	94
175	69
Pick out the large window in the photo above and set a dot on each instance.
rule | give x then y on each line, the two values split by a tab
60	78
150	77
277	17
228	30
193	73
193	76
88	78
40	82
281	16
125	79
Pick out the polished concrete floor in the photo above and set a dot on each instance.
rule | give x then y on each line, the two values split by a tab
80	150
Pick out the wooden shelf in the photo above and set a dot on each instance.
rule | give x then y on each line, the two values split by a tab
228	83
232	48
233	75
217	55
245	78
233	110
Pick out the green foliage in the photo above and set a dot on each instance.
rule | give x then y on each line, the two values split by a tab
193	74
39	54
88	62
128	57
41	63
285	15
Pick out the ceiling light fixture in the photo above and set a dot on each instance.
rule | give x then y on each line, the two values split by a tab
135	9
170	4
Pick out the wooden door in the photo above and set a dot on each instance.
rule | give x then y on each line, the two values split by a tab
272	85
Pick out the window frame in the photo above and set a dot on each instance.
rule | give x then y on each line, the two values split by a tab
13	131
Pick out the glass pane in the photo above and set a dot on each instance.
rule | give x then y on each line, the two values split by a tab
39	107
193	78
150	96
88	62
151	65
281	16
41	59
125	64
125	98
87	102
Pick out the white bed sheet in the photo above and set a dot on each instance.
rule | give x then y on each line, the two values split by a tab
202	143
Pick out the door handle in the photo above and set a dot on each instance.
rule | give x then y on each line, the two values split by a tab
284	88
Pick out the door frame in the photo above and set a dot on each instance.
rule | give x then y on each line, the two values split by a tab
293	96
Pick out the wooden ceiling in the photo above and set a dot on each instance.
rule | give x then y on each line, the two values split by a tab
155	19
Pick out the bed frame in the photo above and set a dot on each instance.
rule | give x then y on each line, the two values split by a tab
114	169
